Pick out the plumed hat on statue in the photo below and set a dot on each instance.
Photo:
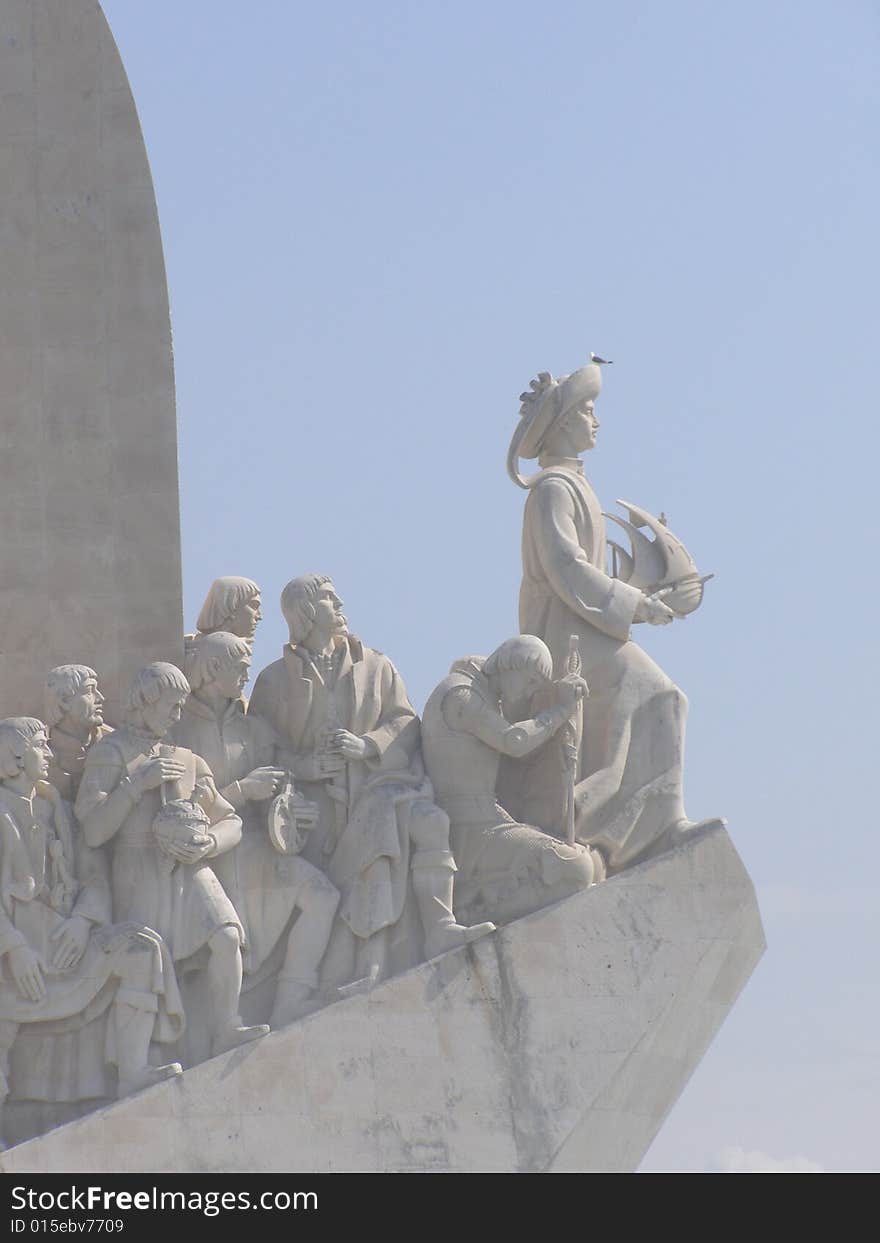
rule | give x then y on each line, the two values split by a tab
544	405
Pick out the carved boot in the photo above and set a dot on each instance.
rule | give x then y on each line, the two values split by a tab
293	1000
134	1029
433	877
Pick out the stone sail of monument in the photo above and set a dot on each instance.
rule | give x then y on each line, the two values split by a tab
89	491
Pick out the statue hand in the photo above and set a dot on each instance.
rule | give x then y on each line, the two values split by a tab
261	783
190	853
655	612
70	939
27	971
155	773
348	745
571	690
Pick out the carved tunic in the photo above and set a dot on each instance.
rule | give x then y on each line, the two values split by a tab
266	888
630	769
48	874
185	904
69	759
362	839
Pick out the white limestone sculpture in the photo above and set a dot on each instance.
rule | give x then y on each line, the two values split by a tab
233	605
352	740
558	1044
75	717
65	964
470	721
268	888
166	881
629	796
88	473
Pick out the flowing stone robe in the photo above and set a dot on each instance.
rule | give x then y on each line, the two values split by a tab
632	748
506	869
265	887
47	874
185	904
362	837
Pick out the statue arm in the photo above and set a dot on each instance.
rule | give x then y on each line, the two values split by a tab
93	901
10	843
105	800
606	603
395	738
464	709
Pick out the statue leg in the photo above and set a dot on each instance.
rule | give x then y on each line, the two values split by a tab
317	899
134	1014
224	984
433	879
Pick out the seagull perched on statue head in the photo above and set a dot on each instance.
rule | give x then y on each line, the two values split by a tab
602	362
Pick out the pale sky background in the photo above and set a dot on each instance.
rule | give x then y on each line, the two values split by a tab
381	220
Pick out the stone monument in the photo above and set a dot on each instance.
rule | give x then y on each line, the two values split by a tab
489	940
88	476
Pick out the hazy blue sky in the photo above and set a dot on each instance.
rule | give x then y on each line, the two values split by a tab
382	220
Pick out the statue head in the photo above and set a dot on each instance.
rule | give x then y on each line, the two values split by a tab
24	747
72	692
556	417
155	698
233	605
310	603
517	670
221	660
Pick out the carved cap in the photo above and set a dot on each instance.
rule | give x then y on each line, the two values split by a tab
548	401
544	407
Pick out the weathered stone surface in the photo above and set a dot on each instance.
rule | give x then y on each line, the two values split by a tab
90	562
556	1044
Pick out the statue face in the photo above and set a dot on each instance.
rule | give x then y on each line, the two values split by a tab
35	758
517	686
581	425
245	619
159	717
85	708
232	676
329	617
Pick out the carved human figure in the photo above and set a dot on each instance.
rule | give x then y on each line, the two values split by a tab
629	792
352	740
472	720
75	717
63	963
164	879
267	889
232	605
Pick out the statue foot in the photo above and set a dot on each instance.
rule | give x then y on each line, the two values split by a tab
147	1077
293	1000
682	831
234	1037
677	834
451	936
